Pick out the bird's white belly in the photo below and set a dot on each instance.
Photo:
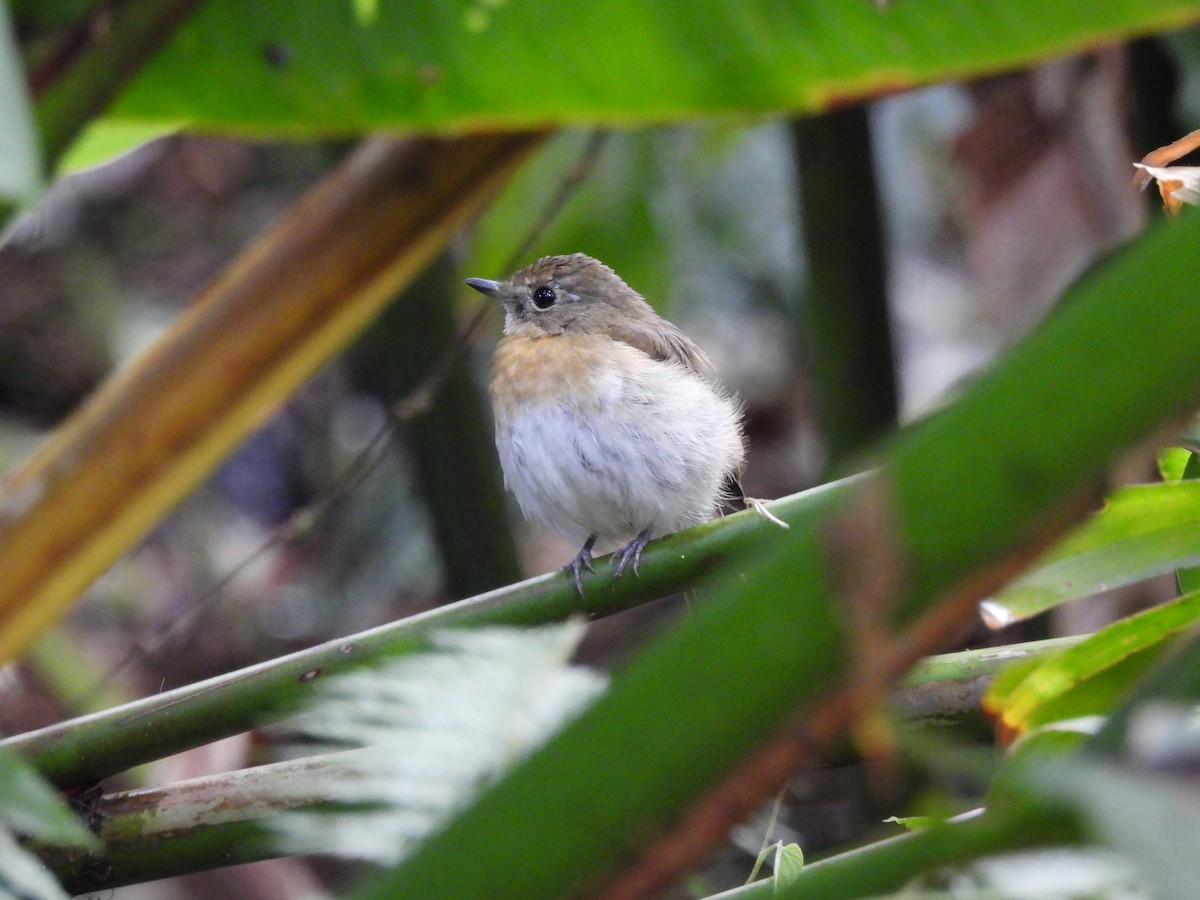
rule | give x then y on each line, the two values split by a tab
651	449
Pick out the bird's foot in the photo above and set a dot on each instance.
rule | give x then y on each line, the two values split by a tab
582	560
631	553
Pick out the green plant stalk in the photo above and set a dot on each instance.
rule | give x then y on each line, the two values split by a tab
965	665
194	825
962	501
107	64
225	819
87	749
844	319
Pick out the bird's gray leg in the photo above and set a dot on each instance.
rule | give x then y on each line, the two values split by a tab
582	560
631	553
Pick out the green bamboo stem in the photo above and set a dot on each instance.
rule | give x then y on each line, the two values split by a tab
88	749
190	826
950	684
225	819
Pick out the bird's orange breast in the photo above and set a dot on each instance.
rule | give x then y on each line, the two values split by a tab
527	371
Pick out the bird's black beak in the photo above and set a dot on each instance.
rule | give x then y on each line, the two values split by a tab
485	286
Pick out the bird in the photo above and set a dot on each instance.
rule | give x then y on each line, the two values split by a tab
609	425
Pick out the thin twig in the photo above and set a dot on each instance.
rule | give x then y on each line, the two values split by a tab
766	841
300	522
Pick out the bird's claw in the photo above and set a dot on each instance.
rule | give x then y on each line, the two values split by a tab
631	553
582	560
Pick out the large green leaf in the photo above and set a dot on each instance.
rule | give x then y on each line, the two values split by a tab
105	139
317	66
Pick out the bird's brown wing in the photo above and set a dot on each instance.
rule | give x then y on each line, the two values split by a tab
659	339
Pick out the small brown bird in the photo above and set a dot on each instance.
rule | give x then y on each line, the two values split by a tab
608	426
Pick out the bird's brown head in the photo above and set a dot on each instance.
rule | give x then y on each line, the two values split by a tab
557	294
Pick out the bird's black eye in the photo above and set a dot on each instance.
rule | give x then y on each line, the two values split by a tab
543	297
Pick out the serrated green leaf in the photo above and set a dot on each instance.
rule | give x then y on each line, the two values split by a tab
434	728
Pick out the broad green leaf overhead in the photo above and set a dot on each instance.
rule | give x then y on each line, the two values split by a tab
317	66
106	139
